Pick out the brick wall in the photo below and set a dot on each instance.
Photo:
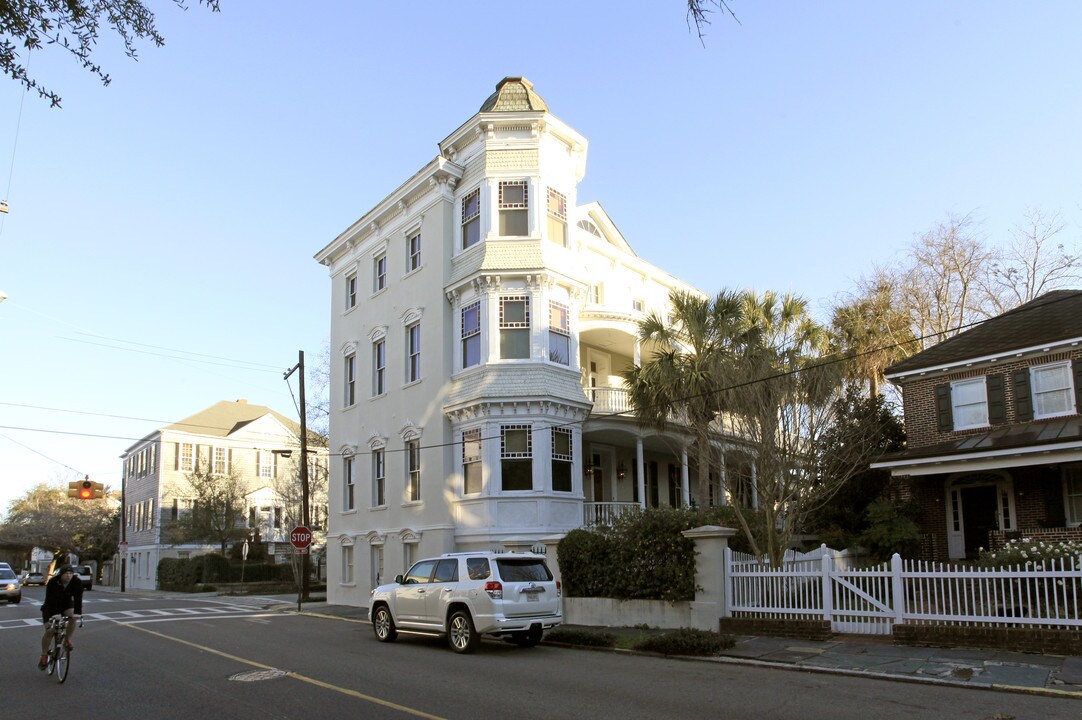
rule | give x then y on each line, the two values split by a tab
1050	535
800	629
1019	639
918	398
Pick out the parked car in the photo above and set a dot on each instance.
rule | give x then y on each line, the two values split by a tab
466	595
34	578
86	574
10	589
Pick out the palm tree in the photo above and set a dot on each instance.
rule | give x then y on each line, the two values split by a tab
873	332
776	388
677	379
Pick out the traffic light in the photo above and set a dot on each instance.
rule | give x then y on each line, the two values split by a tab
86	490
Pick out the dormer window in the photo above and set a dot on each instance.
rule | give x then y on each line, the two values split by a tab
514	208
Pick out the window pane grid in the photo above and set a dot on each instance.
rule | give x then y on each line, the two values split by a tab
471	445
378	478
514	195
558	319
515	311
471	206
413	341
561	444
515	442
557	204
379	365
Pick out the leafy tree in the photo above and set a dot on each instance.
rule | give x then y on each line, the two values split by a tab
867	428
46	517
677	380
870	330
217	511
778	391
73	25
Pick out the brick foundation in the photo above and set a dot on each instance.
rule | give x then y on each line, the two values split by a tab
797	629
1019	639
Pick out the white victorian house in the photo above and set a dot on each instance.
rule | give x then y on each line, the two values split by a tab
481	317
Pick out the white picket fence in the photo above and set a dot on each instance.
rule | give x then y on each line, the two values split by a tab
827	585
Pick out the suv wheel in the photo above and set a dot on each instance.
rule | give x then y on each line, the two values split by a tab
528	638
383	625
461	635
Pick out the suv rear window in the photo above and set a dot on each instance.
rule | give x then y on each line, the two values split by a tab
478	568
524	570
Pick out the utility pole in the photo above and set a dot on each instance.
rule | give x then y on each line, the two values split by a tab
305	513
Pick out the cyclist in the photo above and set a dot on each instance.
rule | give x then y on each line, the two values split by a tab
63	596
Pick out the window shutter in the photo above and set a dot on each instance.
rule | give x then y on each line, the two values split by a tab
176	456
1076	370
1023	399
944	415
229	460
997	407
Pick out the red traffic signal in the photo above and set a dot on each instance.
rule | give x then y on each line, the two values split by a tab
86	490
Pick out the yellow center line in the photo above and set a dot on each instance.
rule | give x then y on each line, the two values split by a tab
297	676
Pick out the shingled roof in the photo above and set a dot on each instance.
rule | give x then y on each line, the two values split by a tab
514	94
1052	317
224	418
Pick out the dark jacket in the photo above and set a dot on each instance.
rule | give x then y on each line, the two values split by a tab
59	598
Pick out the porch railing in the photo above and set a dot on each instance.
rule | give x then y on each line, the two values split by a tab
603	513
609	399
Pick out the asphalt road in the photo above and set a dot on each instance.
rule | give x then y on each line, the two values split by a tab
180	657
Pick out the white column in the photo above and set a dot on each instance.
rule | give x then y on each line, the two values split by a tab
754	486
684	495
640	467
723	482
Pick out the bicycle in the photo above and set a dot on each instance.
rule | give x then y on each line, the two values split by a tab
59	658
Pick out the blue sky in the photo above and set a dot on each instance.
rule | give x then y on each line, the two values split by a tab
158	252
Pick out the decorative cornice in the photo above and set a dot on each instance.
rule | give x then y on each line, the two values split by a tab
349	347
378	332
412	315
376	441
374	537
410	431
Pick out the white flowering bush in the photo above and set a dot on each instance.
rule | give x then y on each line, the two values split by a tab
1029	553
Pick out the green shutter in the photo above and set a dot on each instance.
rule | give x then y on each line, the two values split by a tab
997	406
1076	368
1023	399
944	413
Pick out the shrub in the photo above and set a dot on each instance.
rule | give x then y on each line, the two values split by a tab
589	638
583	571
687	641
215	568
1028	553
642	556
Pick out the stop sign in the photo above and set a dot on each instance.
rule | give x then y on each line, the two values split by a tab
300	537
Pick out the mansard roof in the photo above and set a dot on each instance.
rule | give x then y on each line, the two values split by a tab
514	94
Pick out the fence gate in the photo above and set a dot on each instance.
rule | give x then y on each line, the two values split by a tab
820	585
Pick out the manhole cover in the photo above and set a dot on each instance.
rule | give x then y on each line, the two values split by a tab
257	675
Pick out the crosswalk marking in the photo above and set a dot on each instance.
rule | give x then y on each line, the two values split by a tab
154	615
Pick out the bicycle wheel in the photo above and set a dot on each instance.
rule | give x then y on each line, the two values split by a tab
51	663
63	662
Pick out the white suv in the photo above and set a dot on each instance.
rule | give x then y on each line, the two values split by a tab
467	595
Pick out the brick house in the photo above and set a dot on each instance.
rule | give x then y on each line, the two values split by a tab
994	430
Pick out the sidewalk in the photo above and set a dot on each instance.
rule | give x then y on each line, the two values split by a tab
847	655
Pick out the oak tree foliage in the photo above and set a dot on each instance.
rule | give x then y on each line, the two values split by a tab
75	26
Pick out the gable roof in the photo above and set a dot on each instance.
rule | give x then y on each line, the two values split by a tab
225	418
1052	317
